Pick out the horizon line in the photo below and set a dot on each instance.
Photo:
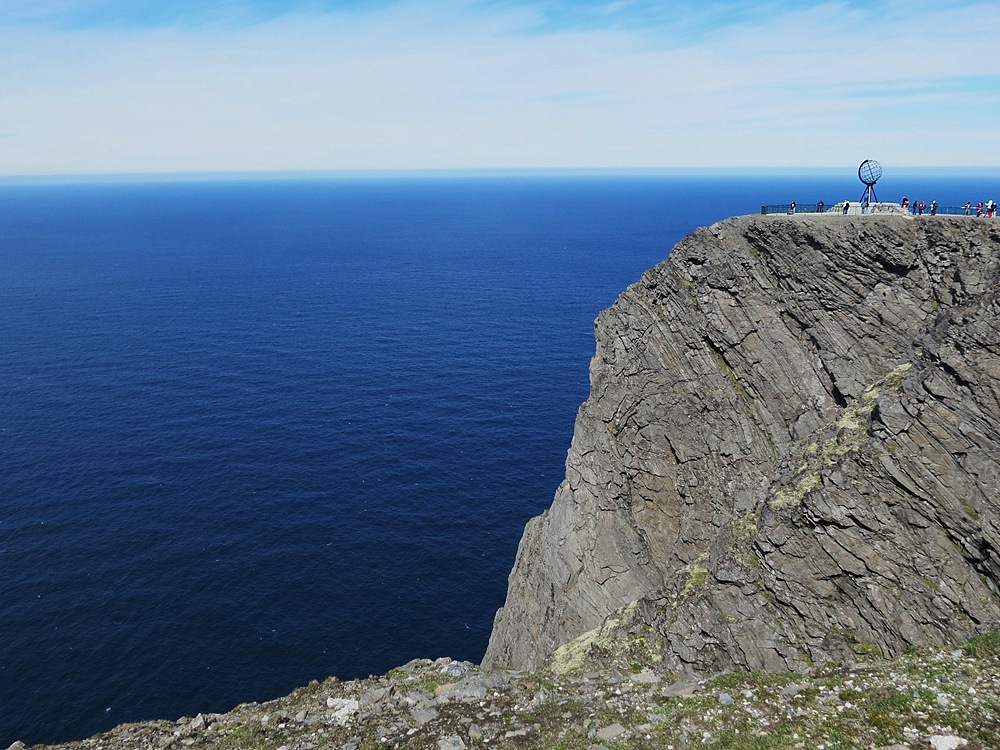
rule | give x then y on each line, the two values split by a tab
416	173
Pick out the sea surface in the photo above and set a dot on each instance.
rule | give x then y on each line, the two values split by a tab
259	432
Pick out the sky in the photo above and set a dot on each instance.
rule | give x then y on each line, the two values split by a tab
180	86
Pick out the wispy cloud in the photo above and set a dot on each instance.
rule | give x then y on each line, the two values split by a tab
149	14
104	85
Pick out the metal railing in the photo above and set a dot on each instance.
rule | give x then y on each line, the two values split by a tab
949	210
812	208
946	210
800	208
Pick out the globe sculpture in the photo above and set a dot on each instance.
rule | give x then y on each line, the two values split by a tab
869	172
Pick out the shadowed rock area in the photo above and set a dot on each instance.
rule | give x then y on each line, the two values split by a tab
789	456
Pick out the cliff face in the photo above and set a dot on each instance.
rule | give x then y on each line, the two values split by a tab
790	453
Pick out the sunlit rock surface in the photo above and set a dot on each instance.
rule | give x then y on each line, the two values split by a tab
789	455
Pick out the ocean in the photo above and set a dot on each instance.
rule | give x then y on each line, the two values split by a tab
259	432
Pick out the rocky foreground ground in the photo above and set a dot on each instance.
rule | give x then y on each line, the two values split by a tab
928	698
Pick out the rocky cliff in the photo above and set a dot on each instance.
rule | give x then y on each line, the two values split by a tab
790	455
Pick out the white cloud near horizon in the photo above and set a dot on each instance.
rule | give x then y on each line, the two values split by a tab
427	84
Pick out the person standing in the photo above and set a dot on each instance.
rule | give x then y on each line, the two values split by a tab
979	209
968	207
920	208
847	205
933	208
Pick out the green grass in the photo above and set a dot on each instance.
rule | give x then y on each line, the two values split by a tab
246	737
984	646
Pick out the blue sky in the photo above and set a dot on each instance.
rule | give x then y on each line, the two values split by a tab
134	86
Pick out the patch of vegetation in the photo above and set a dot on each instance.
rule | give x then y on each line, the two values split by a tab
573	655
697	574
756	679
984	646
867	651
246	737
969	510
789	497
901	701
844	436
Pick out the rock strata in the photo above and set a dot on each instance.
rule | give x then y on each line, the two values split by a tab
790	455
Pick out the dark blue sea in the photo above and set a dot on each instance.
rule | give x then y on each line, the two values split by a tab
255	433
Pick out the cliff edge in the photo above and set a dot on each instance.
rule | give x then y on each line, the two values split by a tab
790	455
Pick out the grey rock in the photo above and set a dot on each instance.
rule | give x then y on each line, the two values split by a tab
342	709
681	689
375	696
790	452
451	743
725	699
415	699
947	742
441	691
523	731
456	668
423	715
414	664
477	686
611	732
645	677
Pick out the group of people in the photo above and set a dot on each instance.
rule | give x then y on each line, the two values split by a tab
919	207
990	208
983	208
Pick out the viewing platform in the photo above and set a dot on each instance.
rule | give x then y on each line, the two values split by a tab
855	208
